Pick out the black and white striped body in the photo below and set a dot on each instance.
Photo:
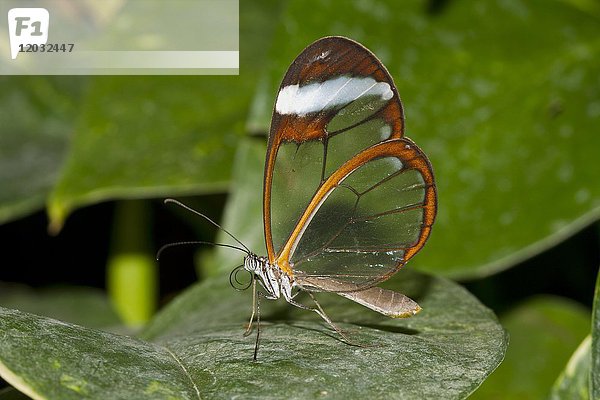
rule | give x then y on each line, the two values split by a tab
275	282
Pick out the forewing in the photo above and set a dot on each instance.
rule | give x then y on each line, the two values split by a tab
366	220
336	100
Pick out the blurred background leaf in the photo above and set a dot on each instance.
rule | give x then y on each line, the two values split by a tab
502	96
183	129
544	332
595	369
581	376
574	381
38	115
80	305
504	124
243	210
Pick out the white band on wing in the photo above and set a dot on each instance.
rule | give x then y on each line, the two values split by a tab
329	94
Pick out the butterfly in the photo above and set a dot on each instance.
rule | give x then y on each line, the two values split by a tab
348	199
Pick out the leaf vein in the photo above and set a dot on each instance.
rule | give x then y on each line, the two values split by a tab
185	371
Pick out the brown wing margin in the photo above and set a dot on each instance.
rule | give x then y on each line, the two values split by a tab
412	158
324	59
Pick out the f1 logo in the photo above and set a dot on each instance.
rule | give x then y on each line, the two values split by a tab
27	26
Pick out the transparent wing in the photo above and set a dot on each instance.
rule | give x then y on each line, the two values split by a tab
366	220
336	100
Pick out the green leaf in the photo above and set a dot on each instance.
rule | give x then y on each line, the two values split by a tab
504	97
132	277
145	136
66	361
580	379
37	114
195	348
132	280
71	304
574	382
243	210
595	369
150	136
544	332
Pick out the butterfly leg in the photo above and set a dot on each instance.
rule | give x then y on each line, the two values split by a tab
256	344
319	310
255	312
255	305
254	308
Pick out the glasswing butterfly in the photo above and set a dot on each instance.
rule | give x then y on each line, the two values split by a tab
348	200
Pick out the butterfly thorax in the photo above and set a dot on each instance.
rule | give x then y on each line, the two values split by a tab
275	281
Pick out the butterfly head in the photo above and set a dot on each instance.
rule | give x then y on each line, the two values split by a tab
254	264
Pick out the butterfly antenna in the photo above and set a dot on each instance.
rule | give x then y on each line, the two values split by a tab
166	246
180	204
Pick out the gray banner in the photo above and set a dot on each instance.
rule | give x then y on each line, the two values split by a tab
119	37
